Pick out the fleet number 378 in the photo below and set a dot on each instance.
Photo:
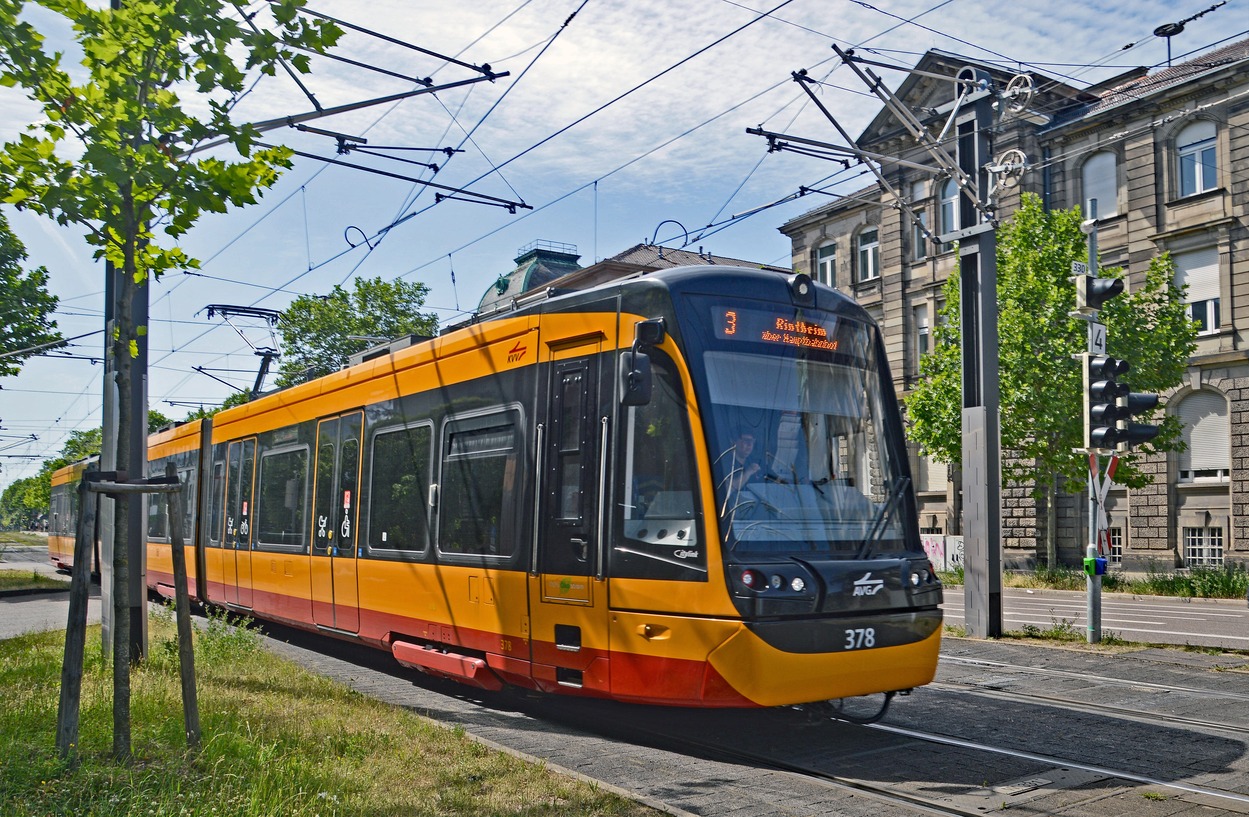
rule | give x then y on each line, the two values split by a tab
860	638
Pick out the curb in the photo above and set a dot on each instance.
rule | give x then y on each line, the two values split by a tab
33	591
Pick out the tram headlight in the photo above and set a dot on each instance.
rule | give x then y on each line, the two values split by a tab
916	579
798	584
777	581
801	289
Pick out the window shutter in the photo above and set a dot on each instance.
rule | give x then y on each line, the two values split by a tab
1207	432
1200	270
1101	183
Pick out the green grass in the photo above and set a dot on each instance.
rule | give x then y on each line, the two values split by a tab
23	538
1227	582
29	580
276	740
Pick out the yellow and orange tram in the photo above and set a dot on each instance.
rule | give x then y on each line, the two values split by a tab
688	487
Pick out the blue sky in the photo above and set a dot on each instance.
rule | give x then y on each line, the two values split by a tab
673	149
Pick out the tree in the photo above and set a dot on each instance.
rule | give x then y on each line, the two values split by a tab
319	334
23	502
29	497
118	155
1040	380
25	305
236	399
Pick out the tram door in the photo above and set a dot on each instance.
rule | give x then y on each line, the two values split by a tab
237	558
335	596
568	598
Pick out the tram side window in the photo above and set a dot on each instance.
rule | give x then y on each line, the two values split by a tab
157	508
399	493
479	486
189	485
60	507
216	503
657	515
280	511
69	521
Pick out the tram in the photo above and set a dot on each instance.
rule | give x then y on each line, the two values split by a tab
687	487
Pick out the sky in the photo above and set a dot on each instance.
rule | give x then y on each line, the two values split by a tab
619	123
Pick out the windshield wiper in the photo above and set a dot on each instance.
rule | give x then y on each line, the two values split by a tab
880	523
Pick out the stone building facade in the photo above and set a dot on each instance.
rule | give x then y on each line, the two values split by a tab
1166	156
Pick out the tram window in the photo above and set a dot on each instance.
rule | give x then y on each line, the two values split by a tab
281	500
399	492
189	484
157	508
157	518
657	514
569	459
479	483
69	521
215	503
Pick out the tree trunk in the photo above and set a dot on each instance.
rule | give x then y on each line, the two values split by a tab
1051	521
123	368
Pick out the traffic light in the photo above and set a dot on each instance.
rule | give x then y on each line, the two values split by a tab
1092	292
1109	405
1101	391
1128	406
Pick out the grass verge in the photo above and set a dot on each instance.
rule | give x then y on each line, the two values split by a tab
29	580
23	538
276	740
1227	582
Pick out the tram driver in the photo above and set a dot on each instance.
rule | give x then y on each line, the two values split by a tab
742	468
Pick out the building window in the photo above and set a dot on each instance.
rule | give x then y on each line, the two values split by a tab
1195	148
869	255
919	237
949	210
920	317
1203	547
1101	184
1199	271
826	264
1207	438
933	474
1115	537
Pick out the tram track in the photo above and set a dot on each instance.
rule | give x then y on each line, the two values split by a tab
1088	677
975	801
1139	715
998	688
907	765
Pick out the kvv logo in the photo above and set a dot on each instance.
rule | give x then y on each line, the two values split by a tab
867	586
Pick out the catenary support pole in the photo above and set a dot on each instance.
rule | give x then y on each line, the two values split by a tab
981	457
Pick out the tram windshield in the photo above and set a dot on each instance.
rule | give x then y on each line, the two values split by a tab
800	447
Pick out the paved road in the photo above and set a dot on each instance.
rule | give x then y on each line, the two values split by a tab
1153	619
44	611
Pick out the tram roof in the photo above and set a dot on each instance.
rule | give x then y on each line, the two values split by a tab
602	276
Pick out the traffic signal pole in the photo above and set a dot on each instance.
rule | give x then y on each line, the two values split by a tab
1109	405
1093	579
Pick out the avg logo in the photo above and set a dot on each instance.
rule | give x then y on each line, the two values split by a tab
516	352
